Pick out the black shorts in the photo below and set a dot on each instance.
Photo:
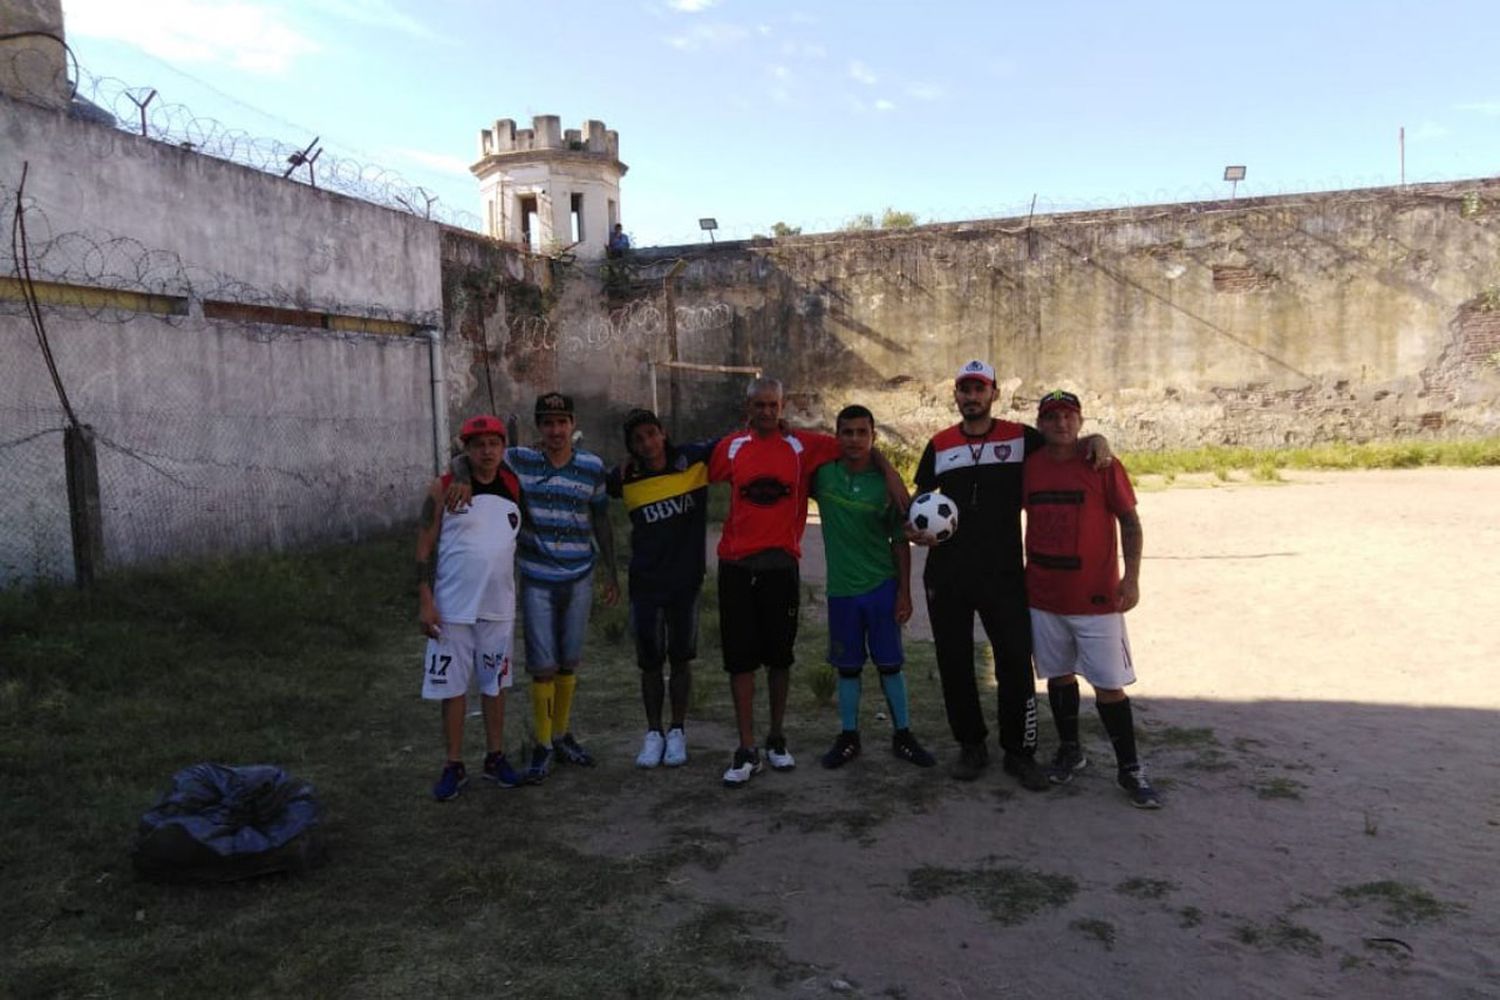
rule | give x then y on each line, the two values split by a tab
665	629
758	616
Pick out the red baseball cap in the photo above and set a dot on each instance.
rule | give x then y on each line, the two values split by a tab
482	424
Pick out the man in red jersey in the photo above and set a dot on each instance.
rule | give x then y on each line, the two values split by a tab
1077	596
977	464
769	469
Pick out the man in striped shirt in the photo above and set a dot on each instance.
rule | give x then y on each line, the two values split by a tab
566	508
563	490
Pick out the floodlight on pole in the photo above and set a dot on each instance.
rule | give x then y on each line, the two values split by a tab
1234	175
708	226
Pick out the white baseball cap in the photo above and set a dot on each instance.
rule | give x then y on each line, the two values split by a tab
982	370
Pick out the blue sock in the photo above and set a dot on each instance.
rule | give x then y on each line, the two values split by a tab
849	702
894	686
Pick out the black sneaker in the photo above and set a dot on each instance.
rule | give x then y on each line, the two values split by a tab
905	746
1138	788
973	758
540	767
498	770
1068	761
1031	775
845	748
568	751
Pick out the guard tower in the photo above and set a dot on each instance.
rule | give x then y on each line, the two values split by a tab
548	189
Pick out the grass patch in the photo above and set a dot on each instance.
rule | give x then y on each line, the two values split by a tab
1280	935
1010	894
1279	788
1100	930
1178	737
1265	464
1189	916
1146	888
1403	903
311	661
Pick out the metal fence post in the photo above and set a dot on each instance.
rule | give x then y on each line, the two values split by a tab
84	512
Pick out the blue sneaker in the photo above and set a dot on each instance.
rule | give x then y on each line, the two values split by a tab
541	765
451	782
498	770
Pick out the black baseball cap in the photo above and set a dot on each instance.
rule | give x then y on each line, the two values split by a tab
553	404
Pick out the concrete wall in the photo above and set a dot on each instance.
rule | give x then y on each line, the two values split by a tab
280	425
1328	317
209	228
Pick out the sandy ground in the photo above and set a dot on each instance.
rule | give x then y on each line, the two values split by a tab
1320	700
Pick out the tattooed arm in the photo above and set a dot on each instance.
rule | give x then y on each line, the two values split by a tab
1131	541
428	523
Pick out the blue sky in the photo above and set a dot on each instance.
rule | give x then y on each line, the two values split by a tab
811	111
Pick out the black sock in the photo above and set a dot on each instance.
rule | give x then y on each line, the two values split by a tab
1119	723
1064	701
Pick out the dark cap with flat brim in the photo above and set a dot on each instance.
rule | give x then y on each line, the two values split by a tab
1058	399
554	404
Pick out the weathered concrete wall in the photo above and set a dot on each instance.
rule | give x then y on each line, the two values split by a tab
1343	316
280	425
208	228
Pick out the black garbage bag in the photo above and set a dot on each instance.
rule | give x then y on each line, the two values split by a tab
219	824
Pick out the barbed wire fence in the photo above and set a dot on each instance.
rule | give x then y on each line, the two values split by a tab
210	416
147	111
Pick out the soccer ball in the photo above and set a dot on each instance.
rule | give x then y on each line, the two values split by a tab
934	515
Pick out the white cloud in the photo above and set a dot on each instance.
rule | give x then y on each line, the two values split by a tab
1490	109
247	36
708	36
378	14
1429	130
691	6
862	73
443	163
925	91
807	50
779	72
885	105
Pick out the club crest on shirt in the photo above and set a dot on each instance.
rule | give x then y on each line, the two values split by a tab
765	491
514	519
1002	452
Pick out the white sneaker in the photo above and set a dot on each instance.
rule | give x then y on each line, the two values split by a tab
676	754
778	756
651	750
746	766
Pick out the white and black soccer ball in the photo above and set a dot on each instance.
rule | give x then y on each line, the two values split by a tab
934	515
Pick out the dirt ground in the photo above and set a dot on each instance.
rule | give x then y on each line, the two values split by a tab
1319	700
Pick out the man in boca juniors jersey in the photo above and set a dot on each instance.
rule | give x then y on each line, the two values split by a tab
1078	597
665	489
466	586
769	470
977	464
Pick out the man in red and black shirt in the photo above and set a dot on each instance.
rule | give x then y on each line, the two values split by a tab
977	464
768	469
1077	594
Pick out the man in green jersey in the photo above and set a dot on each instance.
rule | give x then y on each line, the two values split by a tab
869	592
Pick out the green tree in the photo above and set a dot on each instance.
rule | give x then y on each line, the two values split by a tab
893	219
782	229
862	221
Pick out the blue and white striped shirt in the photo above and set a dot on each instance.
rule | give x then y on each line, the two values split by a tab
559	544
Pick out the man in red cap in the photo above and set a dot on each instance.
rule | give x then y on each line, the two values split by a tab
977	464
466	587
1078	597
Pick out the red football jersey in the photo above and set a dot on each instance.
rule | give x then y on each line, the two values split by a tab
768	479
1072	556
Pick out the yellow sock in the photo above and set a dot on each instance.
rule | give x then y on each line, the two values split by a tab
542	696
562	705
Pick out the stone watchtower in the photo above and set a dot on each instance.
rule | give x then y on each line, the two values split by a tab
548	189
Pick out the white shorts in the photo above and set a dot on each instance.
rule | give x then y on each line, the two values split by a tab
1095	646
465	654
